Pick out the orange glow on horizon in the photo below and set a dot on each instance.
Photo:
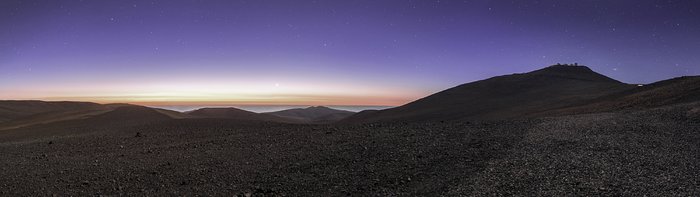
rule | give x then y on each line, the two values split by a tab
221	93
271	100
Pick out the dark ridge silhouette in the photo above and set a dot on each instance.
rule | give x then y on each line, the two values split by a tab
13	109
174	114
132	114
117	119
662	93
67	111
52	116
504	97
236	114
315	115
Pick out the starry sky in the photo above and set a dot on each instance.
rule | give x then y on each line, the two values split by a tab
332	52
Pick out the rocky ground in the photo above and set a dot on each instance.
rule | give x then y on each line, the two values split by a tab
654	152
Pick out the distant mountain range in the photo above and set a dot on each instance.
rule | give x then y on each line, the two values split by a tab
317	114
20	114
552	91
234	114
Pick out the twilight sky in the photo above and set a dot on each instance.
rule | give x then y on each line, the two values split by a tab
343	52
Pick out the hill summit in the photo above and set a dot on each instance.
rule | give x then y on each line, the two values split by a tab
313	114
573	72
501	97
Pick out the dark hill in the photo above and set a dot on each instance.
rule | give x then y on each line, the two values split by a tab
14	109
131	114
72	123
108	113
235	114
316	114
50	117
503	97
662	93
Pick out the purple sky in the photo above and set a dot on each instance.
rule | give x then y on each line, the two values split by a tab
326	52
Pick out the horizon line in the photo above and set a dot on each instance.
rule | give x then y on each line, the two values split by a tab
167	103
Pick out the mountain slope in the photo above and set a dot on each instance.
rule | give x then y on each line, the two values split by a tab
502	97
236	114
68	111
316	114
50	117
14	109
662	93
131	114
112	120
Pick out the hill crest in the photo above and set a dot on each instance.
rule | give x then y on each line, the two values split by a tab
235	114
313	114
503	97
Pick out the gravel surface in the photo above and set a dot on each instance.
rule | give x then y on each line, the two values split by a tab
652	152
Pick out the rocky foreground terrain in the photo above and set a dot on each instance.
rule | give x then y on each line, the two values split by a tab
632	153
557	131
